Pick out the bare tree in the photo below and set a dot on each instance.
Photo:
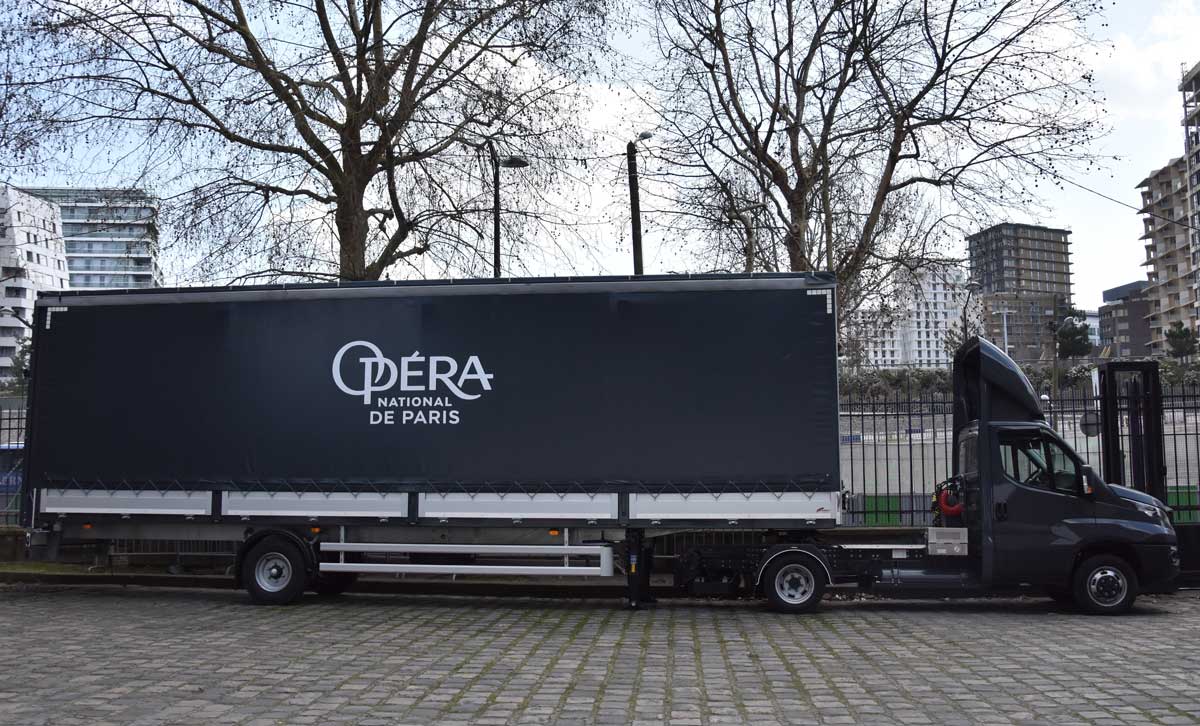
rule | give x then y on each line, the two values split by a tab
333	138
872	130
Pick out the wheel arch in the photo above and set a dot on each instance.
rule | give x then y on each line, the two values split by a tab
1124	550
811	551
306	549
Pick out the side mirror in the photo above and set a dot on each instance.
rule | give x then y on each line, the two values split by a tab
1088	477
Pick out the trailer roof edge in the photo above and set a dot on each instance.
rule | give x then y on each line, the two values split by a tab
437	288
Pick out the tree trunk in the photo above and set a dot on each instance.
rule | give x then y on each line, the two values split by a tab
795	241
751	243
352	236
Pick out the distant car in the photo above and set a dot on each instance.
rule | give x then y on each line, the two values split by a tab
12	457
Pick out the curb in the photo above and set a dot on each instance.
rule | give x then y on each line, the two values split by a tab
379	587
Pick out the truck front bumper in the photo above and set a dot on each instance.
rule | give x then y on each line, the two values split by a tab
1159	567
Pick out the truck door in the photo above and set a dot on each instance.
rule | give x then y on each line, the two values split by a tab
1039	508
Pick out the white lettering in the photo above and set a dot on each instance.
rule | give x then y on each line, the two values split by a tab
406	372
444	376
374	368
473	370
379	373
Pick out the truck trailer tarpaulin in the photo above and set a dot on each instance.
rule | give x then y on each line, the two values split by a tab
661	387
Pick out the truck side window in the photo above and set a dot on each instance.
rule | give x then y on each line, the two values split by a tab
1064	471
968	454
1038	461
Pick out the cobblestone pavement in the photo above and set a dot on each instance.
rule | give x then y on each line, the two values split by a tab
143	656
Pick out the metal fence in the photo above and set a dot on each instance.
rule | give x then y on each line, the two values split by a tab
12	448
894	449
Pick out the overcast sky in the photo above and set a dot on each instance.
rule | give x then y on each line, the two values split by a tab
1151	42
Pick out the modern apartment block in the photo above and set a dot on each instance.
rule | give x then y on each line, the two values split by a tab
1092	317
32	258
1125	321
930	303
1169	265
111	236
1189	86
1024	277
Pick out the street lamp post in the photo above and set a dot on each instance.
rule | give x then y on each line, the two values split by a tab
1004	323
971	286
635	206
498	162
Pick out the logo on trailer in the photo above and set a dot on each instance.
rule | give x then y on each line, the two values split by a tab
440	377
374	367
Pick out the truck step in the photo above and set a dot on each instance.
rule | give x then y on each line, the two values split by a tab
603	552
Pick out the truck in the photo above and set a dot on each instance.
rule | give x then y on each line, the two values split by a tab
544	428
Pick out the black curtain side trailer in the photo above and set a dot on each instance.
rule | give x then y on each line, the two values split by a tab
396	426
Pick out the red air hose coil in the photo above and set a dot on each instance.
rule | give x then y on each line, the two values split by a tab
949	510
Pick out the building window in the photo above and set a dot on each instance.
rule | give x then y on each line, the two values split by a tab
14	292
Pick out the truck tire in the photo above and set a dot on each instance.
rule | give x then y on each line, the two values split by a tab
1105	585
274	572
330	584
794	583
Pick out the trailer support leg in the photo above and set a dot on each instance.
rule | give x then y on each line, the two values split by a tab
53	540
646	568
637	570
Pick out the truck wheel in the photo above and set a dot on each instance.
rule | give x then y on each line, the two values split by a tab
794	584
274	572
1105	585
329	584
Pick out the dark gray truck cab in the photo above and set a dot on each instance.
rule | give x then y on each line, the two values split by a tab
1036	514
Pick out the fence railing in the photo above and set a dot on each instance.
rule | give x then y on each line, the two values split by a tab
895	448
12	449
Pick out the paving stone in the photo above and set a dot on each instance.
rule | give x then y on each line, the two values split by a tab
152	657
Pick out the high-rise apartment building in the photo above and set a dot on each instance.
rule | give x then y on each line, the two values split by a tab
929	304
1169	267
1125	321
31	259
1024	277
1189	86
111	236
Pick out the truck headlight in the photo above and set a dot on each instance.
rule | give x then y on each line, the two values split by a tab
1156	513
